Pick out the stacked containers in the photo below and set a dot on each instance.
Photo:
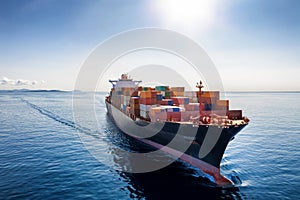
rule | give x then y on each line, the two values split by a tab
159	97
148	97
124	102
192	95
193	107
164	90
166	102
135	106
120	98
115	98
186	105
209	98
165	113
191	110
222	105
158	113
146	89
173	113
178	91
180	100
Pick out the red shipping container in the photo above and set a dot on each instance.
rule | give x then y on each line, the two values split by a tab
174	116
146	101
134	100
153	100
165	102
135	94
180	100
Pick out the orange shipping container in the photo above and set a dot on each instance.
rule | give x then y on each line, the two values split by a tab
178	94
212	94
222	103
145	94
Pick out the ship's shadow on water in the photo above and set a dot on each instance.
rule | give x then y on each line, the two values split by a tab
178	180
169	183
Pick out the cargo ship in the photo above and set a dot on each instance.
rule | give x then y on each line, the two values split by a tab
197	118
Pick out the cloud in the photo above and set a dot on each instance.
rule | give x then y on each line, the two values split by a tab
4	81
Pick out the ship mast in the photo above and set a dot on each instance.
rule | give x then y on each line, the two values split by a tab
200	86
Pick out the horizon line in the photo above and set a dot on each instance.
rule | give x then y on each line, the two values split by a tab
232	91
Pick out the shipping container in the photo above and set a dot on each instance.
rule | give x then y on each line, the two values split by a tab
134	111
146	89
187	115
167	94
158	116
208	100
222	103
145	107
135	93
235	114
134	100
178	94
145	94
174	116
180	100
193	106
172	108
159	97
209	107
192	94
177	89
166	102
221	107
148	101
211	94
162	88
144	114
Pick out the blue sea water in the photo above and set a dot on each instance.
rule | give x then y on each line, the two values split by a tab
42	156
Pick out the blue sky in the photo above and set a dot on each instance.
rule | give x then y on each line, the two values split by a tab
254	44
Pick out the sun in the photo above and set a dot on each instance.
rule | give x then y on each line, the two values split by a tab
187	12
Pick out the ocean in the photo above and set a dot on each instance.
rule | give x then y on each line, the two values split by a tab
43	157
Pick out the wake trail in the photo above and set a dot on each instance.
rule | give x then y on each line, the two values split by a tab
61	120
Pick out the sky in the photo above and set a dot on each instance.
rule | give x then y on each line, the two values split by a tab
254	44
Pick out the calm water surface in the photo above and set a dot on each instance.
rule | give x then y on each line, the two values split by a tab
42	156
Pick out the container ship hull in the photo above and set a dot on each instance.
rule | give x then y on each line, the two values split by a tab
210	163
195	126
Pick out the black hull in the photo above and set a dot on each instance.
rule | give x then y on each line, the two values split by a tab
197	136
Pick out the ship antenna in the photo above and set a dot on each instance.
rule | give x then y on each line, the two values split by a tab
200	86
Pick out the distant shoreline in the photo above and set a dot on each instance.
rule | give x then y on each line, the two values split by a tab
55	90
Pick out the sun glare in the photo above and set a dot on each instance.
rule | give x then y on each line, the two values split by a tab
187	12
